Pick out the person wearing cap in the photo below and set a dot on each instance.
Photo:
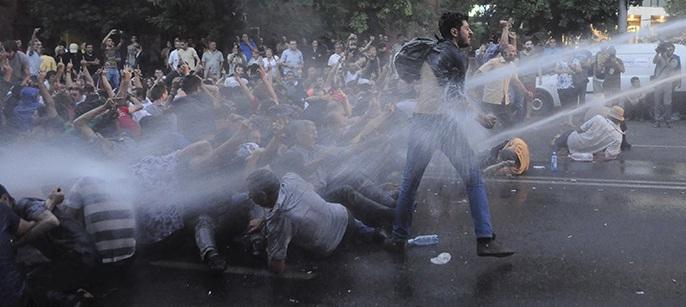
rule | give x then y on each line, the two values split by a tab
599	135
74	56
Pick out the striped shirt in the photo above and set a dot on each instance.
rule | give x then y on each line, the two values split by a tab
110	221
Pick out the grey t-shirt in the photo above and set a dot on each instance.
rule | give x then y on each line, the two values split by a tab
19	62
213	61
303	218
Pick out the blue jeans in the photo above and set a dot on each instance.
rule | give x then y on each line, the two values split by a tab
428	134
113	77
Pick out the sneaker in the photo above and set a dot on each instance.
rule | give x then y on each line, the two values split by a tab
489	247
656	124
395	245
215	262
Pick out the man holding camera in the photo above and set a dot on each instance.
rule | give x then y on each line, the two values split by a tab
667	65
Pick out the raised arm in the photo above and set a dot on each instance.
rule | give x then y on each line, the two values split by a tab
107	36
125	82
268	84
33	38
105	84
67	77
82	121
51	111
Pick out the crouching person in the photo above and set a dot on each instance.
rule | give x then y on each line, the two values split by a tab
297	214
510	157
600	137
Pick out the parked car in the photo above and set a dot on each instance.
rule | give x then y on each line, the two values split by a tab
638	61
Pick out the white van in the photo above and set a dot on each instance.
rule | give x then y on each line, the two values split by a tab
638	61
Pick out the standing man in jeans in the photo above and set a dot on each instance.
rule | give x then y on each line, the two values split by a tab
667	64
439	124
112	58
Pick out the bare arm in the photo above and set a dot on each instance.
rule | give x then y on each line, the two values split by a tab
245	90
51	111
135	106
67	75
269	85
33	38
105	84
82	121
46	222
107	36
137	83
24	227
125	83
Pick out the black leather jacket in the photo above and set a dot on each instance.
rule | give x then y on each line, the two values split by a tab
449	65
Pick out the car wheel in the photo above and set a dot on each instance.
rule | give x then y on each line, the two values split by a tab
542	103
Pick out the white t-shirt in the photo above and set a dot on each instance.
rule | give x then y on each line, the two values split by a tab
599	134
174	59
269	64
333	59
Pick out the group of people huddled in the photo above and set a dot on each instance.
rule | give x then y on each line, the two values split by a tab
277	145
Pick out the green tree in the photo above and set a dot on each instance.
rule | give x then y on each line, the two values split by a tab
676	7
89	18
556	17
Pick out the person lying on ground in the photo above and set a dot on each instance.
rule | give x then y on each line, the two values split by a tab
298	215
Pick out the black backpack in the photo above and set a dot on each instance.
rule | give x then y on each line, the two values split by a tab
411	56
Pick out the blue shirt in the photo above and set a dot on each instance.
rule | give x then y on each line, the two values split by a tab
246	48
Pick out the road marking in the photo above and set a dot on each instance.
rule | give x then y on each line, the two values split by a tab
604	180
616	183
595	184
236	270
658	146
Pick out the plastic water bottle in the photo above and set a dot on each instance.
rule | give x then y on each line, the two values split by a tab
424	240
553	162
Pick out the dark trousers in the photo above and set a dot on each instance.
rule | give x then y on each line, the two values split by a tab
226	220
362	208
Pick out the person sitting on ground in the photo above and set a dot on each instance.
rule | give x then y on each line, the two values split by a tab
510	157
635	105
298	215
315	162
600	134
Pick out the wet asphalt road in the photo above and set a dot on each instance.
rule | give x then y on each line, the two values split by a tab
607	233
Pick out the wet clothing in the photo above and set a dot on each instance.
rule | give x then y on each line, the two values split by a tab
158	211
110	221
303	218
439	96
12	281
449	66
598	134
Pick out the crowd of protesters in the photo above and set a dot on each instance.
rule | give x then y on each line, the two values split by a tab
311	126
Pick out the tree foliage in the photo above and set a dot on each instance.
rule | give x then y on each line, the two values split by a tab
554	17
676	7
